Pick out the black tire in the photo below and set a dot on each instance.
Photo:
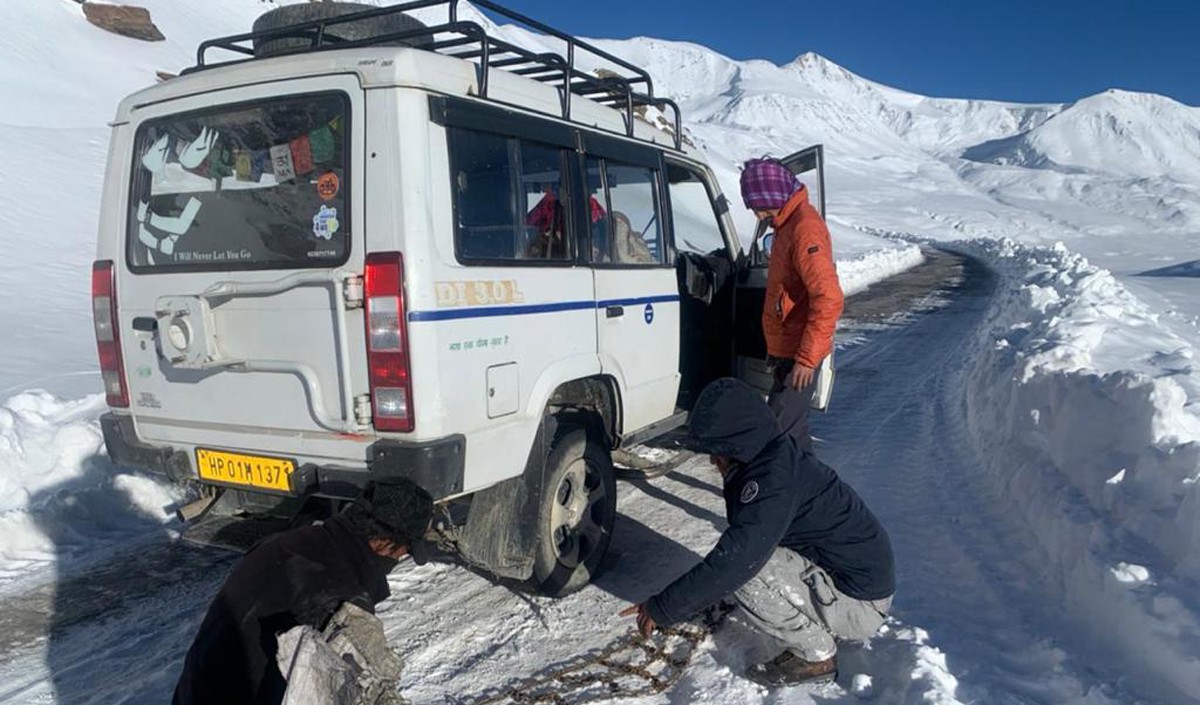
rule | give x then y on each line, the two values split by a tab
577	512
288	15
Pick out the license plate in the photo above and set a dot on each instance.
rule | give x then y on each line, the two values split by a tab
245	470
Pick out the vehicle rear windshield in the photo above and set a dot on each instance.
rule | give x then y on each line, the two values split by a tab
260	185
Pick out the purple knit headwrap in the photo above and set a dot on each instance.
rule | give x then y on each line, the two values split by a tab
767	184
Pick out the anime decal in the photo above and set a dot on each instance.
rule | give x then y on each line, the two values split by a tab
191	157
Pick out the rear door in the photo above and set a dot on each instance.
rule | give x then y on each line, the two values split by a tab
750	347
637	297
238	283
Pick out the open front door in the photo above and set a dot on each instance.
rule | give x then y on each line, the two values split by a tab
750	348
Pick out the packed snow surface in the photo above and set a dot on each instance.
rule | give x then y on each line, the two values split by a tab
1052	416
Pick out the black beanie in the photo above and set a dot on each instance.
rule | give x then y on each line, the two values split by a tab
399	505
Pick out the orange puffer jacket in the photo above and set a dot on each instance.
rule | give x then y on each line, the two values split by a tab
804	298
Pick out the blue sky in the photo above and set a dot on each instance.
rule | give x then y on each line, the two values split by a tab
1019	50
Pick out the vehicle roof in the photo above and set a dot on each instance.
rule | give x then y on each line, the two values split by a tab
389	67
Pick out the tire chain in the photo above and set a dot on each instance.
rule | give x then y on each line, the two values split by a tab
632	666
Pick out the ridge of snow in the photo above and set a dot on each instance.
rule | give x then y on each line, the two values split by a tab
1053	404
1135	135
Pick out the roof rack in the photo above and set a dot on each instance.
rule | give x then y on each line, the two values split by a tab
626	88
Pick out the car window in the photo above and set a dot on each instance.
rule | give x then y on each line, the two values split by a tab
510	199
693	218
249	186
626	228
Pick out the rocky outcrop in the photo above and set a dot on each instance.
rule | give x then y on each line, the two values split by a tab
125	20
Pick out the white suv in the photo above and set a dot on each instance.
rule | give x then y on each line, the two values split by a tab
457	261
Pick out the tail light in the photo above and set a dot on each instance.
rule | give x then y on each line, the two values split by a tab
108	333
387	342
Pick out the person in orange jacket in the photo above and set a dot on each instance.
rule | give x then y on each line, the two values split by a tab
804	298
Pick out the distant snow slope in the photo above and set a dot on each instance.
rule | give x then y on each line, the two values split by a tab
1136	135
62	78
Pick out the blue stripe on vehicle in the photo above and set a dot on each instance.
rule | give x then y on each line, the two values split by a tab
665	298
498	311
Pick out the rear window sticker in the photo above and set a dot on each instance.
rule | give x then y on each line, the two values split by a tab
159	232
325	223
302	157
281	162
155	158
327	186
173	227
194	154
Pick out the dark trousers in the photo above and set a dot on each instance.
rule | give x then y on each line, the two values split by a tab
790	405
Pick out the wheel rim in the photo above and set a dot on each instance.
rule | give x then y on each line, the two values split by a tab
576	516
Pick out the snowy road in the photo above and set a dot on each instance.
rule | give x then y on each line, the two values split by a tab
965	611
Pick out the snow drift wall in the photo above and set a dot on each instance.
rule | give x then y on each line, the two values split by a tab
1076	401
60	496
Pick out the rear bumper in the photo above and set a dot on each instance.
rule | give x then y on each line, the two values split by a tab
125	448
435	465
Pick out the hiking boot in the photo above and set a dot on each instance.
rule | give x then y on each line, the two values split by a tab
789	669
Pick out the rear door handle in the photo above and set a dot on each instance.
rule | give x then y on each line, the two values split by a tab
614	311
146	324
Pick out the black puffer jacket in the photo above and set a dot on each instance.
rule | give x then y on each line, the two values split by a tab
775	496
295	577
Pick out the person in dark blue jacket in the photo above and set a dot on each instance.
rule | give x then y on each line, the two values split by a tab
803	556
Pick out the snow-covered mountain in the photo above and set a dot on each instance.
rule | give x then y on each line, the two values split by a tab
902	162
1137	135
814	94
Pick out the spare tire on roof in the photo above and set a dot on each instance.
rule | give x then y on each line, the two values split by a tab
289	15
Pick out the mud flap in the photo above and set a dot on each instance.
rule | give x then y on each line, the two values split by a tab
500	535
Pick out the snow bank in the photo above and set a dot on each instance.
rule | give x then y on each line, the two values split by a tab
858	273
60	497
1079	402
